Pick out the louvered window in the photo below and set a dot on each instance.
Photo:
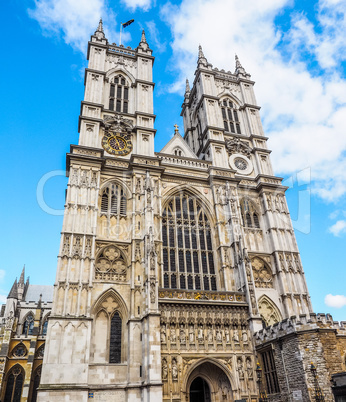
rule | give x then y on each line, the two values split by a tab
113	201
230	117
249	214
187	246
119	95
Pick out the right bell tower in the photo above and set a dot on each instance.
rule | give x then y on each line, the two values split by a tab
222	125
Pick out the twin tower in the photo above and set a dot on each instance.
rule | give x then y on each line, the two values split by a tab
169	261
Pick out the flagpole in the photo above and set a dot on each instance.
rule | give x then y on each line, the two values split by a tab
121	27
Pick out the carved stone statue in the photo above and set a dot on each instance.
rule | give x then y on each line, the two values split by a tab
244	336
173	334
249	368
164	369
218	334
227	334
210	334
174	369
200	334
191	334
182	335
163	333
235	336
240	368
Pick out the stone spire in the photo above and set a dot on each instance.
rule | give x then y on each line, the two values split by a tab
239	69
201	58
143	44
99	33
21	284
14	291
187	87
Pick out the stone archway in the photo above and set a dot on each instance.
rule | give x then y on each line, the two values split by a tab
208	383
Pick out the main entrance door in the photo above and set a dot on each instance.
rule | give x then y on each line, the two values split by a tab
199	391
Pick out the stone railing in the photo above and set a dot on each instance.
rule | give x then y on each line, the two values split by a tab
120	50
173	160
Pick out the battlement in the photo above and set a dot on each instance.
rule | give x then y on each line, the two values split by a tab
297	324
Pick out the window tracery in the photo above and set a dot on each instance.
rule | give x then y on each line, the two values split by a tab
230	117
188	261
14	385
110	265
19	351
119	94
249	214
269	312
113	200
28	325
262	273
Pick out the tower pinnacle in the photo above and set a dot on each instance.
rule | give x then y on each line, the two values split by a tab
239	69
99	33
201	58
14	291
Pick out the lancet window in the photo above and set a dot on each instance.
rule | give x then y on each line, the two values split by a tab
230	117
115	339
14	385
249	214
188	260
113	200
119	95
28	325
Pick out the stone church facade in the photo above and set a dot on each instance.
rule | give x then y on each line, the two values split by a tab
179	276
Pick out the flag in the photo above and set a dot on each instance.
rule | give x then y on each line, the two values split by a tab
126	24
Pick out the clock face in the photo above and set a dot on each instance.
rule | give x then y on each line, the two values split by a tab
240	163
117	143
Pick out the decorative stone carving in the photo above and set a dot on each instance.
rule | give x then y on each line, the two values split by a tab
110	265
164	369
249	368
240	368
262	274
235	146
174	369
163	333
269	312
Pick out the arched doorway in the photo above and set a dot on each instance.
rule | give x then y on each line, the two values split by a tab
208	381
199	390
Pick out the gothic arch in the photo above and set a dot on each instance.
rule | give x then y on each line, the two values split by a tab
14	384
225	94
111	264
269	311
250	213
205	203
196	370
104	298
120	70
118	182
26	326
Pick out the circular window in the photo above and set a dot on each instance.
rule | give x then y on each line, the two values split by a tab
240	164
19	351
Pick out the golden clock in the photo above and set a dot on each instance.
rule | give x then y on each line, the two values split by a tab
117	143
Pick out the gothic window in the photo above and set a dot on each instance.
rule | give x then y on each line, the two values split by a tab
230	117
19	351
178	152
110	265
119	95
44	328
28	325
35	382
187	246
262	274
269	372
113	201
115	339
14	385
249	214
269	313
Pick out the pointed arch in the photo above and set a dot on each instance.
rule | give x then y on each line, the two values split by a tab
14	384
250	213
113	198
120	70
107	297
268	310
35	382
262	273
188	256
28	324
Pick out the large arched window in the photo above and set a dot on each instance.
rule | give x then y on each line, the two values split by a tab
113	200
119	95
188	261
14	385
230	117
249	214
115	339
28	325
35	382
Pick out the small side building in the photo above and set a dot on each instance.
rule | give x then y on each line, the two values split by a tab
23	330
303	359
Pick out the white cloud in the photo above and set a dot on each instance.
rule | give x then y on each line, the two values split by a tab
3	299
133	4
338	228
336	301
304	114
75	20
154	37
2	274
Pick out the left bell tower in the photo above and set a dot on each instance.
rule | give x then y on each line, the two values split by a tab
103	333
117	110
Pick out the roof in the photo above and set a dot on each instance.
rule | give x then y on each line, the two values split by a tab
34	291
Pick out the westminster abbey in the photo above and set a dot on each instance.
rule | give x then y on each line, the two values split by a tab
179	276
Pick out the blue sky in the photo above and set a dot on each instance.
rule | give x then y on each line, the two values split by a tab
294	50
